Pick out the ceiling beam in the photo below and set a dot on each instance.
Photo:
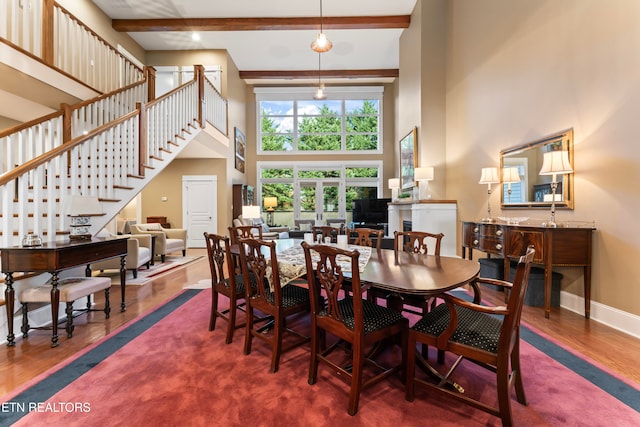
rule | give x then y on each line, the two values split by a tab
262	24
305	74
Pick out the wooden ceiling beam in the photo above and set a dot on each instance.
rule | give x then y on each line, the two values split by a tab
262	24
305	74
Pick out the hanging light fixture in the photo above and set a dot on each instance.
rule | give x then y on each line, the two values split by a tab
321	43
320	92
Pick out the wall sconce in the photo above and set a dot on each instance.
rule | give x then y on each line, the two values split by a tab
423	176
553	163
509	176
489	176
394	186
81	209
270	203
251	212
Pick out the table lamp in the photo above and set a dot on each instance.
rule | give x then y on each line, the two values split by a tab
394	186
423	176
553	163
489	176
81	209
509	176
270	203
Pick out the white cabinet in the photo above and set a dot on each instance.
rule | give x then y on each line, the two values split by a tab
433	216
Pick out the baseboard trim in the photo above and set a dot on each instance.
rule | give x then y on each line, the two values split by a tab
612	317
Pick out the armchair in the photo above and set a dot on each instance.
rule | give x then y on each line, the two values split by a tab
138	253
168	240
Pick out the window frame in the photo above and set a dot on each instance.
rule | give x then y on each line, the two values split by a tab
342	94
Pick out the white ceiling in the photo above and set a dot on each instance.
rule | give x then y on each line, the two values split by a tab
273	50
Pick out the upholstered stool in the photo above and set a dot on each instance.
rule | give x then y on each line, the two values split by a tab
71	289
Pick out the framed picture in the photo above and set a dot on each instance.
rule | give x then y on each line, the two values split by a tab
408	159
241	148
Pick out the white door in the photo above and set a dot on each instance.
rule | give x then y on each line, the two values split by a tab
200	208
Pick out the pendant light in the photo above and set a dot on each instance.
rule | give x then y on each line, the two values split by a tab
321	43
320	92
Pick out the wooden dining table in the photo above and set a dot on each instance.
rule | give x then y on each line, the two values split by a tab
407	274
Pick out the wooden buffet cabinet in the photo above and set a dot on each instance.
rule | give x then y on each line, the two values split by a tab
562	246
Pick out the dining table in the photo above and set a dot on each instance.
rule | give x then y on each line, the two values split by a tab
398	273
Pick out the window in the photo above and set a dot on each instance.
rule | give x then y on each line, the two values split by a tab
314	190
291	121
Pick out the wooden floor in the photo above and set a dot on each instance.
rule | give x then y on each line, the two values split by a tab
33	356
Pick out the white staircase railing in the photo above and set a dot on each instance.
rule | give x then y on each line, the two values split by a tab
103	163
70	45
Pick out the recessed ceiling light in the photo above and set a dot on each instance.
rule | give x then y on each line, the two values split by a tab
195	37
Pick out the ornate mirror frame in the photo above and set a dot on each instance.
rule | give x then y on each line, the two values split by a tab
533	187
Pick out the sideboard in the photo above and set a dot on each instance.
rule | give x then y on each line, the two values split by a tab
434	216
562	246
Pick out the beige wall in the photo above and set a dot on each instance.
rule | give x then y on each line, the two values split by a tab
169	184
520	70
421	100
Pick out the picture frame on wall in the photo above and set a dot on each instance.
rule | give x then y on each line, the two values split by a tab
408	159
240	148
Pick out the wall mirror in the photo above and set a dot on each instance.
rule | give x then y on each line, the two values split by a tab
534	190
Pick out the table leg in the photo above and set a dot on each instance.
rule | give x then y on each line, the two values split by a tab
9	298
55	303
587	291
123	281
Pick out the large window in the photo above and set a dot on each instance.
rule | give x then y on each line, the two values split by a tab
291	121
315	190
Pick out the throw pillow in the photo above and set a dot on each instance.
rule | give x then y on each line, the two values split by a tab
153	227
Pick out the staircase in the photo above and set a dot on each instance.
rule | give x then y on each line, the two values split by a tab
108	147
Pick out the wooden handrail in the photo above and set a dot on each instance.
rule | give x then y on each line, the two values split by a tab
57	151
25	125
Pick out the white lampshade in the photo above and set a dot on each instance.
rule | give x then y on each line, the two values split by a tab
77	205
510	175
489	176
394	183
251	212
556	162
424	174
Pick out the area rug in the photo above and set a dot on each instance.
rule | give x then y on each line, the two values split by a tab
145	275
168	369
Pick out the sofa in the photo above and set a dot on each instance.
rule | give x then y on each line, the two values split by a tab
138	253
268	233
168	240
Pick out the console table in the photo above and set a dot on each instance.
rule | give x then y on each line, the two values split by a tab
433	216
562	246
53	257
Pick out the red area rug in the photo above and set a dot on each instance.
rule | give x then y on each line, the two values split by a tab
179	373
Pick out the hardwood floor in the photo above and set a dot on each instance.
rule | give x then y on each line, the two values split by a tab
33	356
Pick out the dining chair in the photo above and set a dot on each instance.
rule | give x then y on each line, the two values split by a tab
326	231
487	336
417	243
365	237
244	232
230	285
357	324
269	297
